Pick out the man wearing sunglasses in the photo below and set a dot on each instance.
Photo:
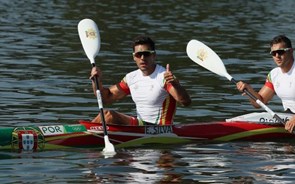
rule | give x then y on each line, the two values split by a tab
153	88
280	80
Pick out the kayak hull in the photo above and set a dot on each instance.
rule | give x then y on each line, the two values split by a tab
213	131
90	135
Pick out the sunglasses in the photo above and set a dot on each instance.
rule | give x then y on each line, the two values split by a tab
279	51
145	53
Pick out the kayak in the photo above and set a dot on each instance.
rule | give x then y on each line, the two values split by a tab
85	134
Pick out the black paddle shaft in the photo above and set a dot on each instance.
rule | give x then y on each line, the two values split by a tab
96	81
254	98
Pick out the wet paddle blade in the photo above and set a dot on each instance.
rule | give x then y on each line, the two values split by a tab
206	57
90	38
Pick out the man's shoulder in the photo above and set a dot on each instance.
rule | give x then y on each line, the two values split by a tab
133	73
275	71
160	68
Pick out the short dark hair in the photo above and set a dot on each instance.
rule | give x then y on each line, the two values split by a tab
279	39
142	40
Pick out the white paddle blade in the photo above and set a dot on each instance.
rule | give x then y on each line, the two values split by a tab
206	57
109	147
90	38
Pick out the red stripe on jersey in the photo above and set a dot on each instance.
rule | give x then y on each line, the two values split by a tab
168	111
124	87
269	84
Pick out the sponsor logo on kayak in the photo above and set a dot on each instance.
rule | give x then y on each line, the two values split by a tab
272	120
97	128
52	130
153	130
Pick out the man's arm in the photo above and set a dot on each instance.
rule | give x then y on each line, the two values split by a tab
108	95
264	95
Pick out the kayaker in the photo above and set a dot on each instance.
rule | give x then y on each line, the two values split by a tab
153	88
280	80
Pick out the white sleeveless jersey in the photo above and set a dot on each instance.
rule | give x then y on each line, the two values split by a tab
284	86
153	102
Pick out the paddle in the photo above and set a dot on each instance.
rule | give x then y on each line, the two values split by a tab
90	39
207	58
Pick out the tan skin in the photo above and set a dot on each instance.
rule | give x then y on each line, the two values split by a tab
265	94
147	65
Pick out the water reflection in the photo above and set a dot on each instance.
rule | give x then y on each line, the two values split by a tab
199	163
151	166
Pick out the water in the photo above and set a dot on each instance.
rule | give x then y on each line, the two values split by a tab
44	80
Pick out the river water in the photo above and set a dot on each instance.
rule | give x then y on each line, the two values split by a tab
44	80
